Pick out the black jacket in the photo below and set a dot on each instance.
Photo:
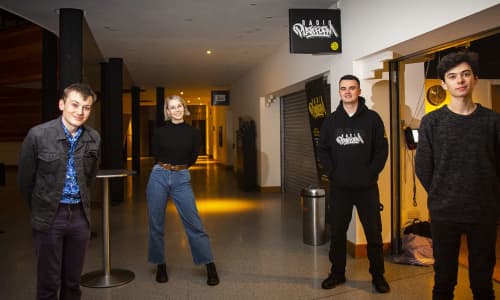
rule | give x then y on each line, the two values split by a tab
42	169
354	149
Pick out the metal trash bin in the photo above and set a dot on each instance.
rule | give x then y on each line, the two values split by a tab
313	216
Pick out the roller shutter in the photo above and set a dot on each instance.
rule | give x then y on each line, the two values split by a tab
298	165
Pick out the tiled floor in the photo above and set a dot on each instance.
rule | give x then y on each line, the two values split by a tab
256	239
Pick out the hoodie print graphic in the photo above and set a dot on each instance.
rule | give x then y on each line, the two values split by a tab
346	137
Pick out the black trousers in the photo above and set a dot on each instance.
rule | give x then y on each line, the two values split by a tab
60	254
367	204
481	244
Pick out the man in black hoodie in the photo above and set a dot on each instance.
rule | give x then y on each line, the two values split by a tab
353	149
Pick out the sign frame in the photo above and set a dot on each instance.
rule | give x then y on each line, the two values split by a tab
315	31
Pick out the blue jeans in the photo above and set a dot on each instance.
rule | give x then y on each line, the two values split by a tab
61	253
481	244
163	184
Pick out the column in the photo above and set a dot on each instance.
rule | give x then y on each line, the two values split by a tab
71	41
113	152
50	95
160	100
136	129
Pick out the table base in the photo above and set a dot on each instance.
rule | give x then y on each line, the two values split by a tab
97	279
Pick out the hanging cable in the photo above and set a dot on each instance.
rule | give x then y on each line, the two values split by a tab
414	179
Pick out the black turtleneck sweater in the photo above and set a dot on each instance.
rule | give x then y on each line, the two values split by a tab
176	144
353	148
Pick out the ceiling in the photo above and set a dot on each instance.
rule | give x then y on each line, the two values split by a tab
164	42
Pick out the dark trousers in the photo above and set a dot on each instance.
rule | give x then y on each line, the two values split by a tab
60	254
481	243
368	206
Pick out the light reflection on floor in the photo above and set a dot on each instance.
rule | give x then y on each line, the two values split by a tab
227	206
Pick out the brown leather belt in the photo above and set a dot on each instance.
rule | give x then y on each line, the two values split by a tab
172	167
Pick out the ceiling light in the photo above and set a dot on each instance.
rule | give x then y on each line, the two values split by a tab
182	93
208	52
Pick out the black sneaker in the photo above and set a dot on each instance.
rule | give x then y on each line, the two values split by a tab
212	277
381	284
161	273
332	281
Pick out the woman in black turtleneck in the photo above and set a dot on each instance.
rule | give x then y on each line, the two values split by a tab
175	148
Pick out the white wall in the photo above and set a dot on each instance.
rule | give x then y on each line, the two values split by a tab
278	72
368	28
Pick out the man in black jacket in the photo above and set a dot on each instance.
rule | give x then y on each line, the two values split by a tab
353	149
458	163
57	164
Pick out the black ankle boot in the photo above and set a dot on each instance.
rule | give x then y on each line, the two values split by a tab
332	281
212	277
381	284
161	273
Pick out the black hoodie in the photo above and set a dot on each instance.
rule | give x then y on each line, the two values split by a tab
353	149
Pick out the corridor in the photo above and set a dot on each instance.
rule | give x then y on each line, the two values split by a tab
256	239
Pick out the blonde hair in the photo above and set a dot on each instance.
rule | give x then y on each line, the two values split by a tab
178	98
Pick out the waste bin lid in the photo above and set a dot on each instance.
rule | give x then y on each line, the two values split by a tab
313	191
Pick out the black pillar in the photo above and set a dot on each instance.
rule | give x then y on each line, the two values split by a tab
113	154
71	41
160	100
50	96
105	109
136	129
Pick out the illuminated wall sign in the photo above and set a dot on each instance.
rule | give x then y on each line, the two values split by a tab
220	97
315	31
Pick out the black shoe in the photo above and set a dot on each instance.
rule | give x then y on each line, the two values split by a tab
381	284
332	281
161	273
212	277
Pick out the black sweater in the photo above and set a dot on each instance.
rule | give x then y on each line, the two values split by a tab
176	144
354	149
458	163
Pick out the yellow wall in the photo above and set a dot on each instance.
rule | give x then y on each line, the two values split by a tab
428	106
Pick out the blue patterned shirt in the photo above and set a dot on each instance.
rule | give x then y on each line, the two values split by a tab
71	192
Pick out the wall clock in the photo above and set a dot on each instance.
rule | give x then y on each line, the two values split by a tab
436	94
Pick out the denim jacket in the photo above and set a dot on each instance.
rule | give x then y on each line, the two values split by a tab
42	169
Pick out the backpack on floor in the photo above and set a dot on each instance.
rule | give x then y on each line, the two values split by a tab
417	245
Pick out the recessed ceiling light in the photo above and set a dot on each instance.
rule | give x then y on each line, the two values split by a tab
109	28
208	51
58	11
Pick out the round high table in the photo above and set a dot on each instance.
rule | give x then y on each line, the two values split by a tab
107	277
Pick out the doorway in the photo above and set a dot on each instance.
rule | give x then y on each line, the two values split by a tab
198	119
411	77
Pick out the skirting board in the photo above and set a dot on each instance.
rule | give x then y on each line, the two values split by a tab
359	250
